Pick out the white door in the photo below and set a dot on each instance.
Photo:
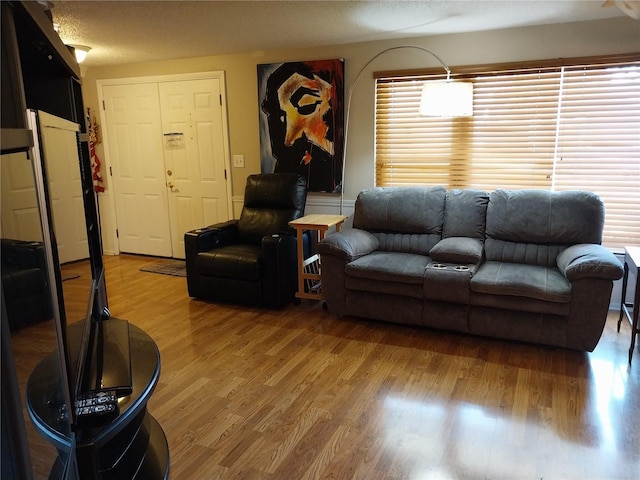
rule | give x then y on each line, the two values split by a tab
194	154
61	160
20	219
134	138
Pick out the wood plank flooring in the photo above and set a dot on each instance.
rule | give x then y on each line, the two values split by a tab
298	393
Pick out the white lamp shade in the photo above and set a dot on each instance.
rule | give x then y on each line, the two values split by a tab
447	99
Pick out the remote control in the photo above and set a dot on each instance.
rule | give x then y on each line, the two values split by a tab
98	398
96	407
96	413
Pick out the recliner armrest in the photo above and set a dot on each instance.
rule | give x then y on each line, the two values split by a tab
270	241
213	236
348	244
279	261
587	260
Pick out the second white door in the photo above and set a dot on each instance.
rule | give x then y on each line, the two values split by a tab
194	156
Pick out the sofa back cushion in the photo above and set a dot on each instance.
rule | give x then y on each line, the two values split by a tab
534	226
404	219
466	213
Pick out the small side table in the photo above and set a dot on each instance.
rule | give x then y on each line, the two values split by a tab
631	310
309	269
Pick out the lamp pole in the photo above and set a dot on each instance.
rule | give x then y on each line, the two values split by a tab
350	94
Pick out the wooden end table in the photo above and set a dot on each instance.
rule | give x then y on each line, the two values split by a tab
309	270
631	310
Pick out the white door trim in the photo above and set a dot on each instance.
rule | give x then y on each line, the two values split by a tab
108	221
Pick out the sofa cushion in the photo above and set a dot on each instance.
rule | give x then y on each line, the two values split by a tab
534	226
457	250
389	267
465	213
529	281
541	216
401	209
520	252
406	242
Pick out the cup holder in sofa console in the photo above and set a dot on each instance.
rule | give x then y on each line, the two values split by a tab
448	266
448	282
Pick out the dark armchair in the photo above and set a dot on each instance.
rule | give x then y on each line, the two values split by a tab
25	283
251	260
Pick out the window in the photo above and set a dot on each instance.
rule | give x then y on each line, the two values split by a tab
560	125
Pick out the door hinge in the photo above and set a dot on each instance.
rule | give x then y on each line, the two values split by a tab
220	99
104	106
110	172
225	173
117	233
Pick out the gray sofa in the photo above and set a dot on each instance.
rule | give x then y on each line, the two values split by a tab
524	265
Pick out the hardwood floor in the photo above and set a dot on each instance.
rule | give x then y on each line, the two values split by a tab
301	394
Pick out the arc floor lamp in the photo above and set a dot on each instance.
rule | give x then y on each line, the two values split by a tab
441	98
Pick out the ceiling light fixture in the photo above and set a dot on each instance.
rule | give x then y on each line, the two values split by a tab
80	52
446	98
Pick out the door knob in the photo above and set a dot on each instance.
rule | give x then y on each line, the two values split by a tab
171	185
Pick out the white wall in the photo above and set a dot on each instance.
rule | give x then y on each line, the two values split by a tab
610	36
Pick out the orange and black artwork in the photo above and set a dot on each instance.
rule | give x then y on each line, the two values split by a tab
302	121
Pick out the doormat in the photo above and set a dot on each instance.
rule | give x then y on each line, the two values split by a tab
176	268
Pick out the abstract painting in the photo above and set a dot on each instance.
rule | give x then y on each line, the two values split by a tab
302	121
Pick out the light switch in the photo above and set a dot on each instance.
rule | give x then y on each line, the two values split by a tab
238	161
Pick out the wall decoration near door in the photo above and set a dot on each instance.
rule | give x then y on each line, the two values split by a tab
302	121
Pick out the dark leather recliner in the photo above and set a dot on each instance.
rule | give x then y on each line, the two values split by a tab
25	283
251	260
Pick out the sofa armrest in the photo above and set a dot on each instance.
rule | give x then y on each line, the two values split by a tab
348	244
208	238
461	250
586	260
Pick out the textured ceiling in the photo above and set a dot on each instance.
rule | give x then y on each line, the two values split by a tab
137	31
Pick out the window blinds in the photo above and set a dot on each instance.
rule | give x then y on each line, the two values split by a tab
572	126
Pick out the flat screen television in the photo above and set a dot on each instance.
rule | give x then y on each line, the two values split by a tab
103	361
96	356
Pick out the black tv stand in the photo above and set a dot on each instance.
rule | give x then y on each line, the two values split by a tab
132	445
